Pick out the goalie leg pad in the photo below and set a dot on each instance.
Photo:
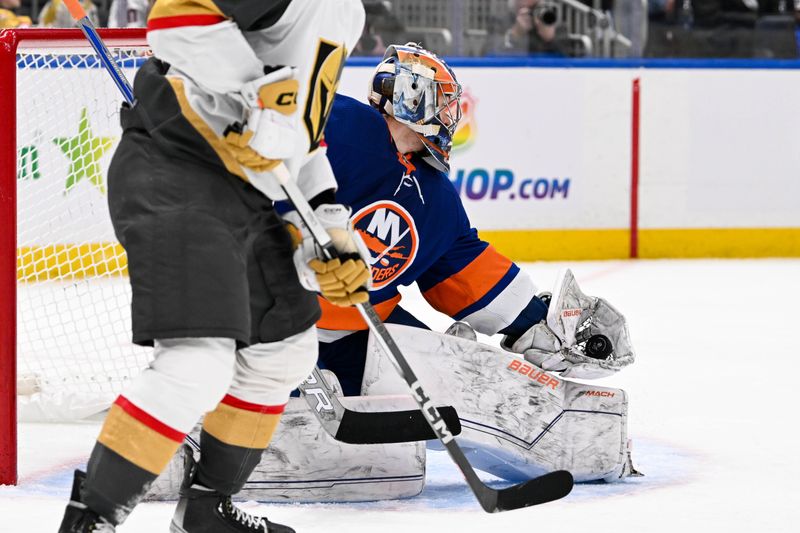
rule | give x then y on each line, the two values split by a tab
518	420
305	464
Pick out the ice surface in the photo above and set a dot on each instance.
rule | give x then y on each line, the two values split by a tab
713	418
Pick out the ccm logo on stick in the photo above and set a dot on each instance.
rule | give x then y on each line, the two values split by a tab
430	412
534	374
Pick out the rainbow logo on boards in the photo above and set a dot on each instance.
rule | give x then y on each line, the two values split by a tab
466	130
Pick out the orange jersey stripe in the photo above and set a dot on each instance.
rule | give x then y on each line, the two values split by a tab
348	318
470	284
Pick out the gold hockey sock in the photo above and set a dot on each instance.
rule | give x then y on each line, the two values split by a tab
132	449
233	438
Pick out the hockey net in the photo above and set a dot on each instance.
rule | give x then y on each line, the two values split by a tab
59	125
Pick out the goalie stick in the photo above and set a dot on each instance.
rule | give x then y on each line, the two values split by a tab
358	427
345	425
542	489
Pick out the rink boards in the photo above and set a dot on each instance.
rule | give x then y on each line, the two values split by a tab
546	159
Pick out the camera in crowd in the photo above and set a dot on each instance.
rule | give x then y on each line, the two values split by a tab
546	12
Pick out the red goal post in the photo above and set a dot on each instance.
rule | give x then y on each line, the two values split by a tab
57	265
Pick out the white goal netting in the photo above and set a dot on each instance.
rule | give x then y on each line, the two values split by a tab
73	316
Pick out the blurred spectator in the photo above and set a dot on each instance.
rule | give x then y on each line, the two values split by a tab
529	27
370	43
380	28
723	28
797	23
55	14
711	13
8	16
603	5
661	9
743	5
129	13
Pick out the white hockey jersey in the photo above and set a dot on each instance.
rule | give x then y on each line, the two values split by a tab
214	47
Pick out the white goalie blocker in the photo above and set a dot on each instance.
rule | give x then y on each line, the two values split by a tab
517	421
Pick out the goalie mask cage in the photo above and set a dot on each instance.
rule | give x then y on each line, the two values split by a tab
65	349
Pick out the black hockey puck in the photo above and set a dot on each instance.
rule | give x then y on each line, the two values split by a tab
598	347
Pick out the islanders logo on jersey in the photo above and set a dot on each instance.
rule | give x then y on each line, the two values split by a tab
391	237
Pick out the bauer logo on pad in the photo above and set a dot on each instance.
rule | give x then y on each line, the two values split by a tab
391	236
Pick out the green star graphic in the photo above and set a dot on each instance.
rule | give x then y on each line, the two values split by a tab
85	151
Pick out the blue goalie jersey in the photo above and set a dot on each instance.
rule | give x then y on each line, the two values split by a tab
413	222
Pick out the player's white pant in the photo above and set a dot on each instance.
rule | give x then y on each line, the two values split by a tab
266	373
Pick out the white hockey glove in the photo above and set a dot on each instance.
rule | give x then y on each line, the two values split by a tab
269	134
583	337
343	281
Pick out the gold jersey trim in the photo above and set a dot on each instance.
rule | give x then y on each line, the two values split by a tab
176	8
217	143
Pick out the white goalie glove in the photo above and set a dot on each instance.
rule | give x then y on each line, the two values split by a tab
583	336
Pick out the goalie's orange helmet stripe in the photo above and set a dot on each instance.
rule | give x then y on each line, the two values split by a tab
443	74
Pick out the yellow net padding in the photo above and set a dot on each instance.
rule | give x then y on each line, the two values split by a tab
70	261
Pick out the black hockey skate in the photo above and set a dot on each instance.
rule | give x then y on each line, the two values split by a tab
203	510
80	519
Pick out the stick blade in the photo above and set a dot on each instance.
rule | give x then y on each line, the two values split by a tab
542	489
392	426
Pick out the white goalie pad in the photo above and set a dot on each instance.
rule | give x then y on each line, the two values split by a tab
303	463
517	421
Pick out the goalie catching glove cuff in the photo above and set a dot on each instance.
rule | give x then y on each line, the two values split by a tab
269	135
344	280
583	336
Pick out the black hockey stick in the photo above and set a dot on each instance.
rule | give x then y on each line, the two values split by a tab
542	489
357	427
343	424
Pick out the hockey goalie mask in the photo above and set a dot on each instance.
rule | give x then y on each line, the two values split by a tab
419	90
